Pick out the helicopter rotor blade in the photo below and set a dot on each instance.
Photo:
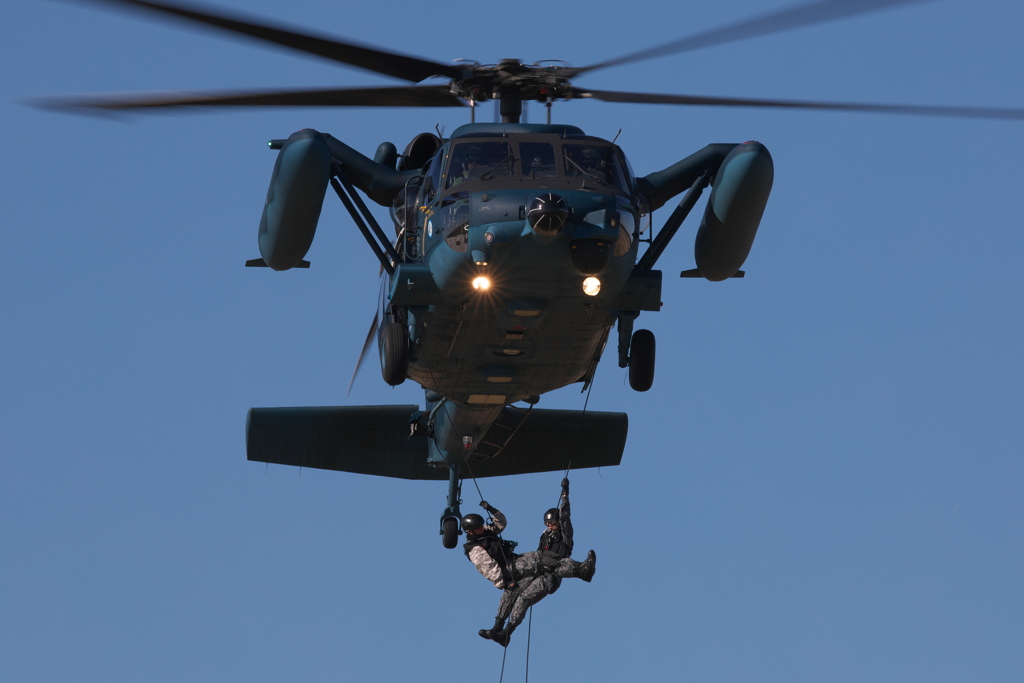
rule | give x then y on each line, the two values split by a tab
401	96
414	69
775	22
370	336
1008	113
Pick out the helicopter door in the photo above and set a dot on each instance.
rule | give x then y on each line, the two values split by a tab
404	209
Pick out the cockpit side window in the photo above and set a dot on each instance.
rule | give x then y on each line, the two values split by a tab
432	182
627	169
538	159
472	161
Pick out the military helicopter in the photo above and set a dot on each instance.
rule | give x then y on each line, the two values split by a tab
516	255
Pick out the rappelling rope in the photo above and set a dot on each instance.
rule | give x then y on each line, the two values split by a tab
473	477
529	631
529	622
504	655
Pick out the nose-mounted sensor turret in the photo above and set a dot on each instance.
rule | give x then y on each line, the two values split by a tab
547	214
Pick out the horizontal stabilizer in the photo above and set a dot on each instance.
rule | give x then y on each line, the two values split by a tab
260	263
693	272
359	439
375	440
552	441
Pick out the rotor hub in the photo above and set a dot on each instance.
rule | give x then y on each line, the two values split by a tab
511	79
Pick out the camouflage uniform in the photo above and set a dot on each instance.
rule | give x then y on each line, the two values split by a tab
540	572
520	566
488	567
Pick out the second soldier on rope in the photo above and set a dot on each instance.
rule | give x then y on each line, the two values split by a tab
528	577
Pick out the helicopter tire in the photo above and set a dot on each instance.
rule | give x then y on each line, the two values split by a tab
641	360
394	353
450	532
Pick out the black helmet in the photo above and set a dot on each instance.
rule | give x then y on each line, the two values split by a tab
472	522
551	516
474	154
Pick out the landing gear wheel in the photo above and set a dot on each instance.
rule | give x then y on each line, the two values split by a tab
450	532
641	360
394	353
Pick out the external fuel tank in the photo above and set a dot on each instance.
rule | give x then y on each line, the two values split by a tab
294	200
733	214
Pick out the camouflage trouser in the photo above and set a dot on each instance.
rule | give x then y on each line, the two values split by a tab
528	592
529	564
534	582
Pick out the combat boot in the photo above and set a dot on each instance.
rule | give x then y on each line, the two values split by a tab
504	636
488	634
585	569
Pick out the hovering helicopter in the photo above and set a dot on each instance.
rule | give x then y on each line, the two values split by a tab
516	255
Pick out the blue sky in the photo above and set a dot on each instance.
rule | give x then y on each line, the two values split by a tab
823	484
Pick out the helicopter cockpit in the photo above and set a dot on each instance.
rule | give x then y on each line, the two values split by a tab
534	162
557	161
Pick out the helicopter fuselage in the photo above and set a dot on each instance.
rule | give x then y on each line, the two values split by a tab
507	225
515	256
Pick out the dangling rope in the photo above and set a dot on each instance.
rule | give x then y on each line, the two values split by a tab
529	632
504	654
529	622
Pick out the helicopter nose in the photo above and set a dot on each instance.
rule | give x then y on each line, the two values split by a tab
547	214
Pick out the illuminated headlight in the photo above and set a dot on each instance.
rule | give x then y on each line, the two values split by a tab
481	283
591	286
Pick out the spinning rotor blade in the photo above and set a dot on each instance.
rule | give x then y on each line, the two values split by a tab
412	69
370	336
402	96
776	22
921	110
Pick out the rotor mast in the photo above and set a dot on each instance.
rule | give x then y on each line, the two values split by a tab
511	83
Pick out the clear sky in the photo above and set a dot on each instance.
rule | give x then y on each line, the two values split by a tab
824	483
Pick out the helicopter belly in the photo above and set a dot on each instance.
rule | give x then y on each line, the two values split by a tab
509	356
527	338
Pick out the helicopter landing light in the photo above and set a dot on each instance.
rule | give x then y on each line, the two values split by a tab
499	380
511	352
481	283
479	257
591	286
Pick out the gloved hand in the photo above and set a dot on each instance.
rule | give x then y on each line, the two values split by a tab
565	484
485	505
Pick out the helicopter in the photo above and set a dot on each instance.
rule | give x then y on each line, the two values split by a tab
516	255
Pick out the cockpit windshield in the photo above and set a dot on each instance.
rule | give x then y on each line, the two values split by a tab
480	161
570	162
538	159
596	162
